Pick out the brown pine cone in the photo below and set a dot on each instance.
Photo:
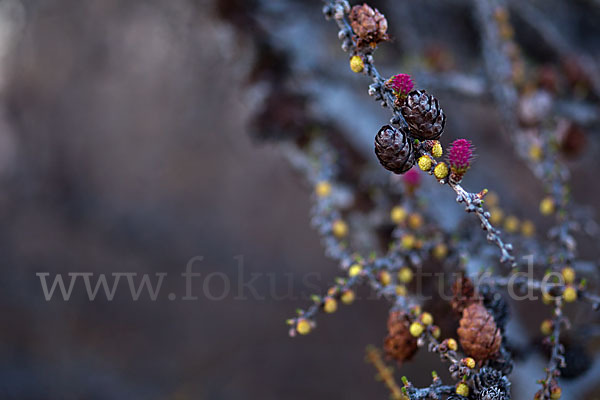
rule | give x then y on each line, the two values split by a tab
571	138
463	294
424	116
478	334
399	344
394	150
369	25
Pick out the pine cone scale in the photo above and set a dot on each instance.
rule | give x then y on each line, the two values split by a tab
479	336
464	294
394	150
423	115
399	344
369	25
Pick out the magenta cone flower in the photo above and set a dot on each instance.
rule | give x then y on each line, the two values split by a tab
412	178
460	156
401	84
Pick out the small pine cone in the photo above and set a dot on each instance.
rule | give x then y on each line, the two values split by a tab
478	333
577	360
369	25
399	344
491	393
394	150
424	116
463	294
489	378
493	301
503	361
572	140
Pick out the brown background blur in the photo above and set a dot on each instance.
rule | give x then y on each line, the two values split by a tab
125	150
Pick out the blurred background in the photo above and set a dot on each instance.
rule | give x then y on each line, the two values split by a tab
129	143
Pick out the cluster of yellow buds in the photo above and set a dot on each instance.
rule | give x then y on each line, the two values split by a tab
425	163
416	329
468	362
547	206
440	251
348	296
405	275
339	229
462	389
398	215
535	152
449	344
415	221
303	326
409	241
424	321
437	150
357	64
323	189
546	327
570	293
384	277
354	270
441	171
569	275
330	305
